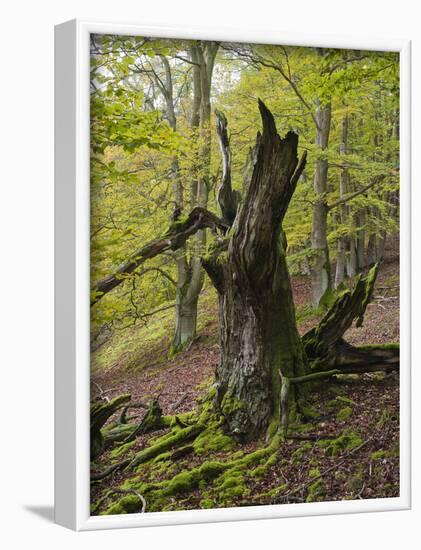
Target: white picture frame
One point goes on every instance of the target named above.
(72, 213)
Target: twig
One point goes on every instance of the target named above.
(178, 403)
(101, 391)
(311, 437)
(110, 470)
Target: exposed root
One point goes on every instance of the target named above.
(225, 477)
(102, 475)
(140, 498)
(166, 443)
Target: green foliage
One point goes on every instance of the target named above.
(135, 143)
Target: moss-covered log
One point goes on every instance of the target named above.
(100, 413)
(166, 443)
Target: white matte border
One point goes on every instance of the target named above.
(72, 365)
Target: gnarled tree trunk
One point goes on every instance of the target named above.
(258, 334)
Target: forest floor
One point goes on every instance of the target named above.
(351, 451)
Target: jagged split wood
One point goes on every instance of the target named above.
(325, 347)
(121, 432)
(228, 199)
(258, 333)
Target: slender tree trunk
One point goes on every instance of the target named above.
(189, 268)
(258, 334)
(361, 260)
(320, 274)
(343, 189)
(371, 254)
(351, 260)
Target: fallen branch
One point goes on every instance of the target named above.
(179, 402)
(177, 235)
(110, 470)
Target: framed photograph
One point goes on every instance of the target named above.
(232, 275)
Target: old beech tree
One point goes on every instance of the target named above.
(264, 363)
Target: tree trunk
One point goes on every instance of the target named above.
(361, 260)
(351, 260)
(189, 269)
(320, 273)
(371, 254)
(258, 334)
(343, 189)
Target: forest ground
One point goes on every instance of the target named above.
(353, 450)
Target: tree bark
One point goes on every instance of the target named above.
(320, 272)
(258, 334)
(343, 189)
(227, 198)
(361, 260)
(189, 268)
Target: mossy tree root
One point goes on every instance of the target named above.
(226, 474)
(151, 421)
(165, 444)
(100, 413)
(137, 495)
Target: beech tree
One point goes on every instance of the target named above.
(263, 359)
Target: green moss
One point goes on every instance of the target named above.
(231, 404)
(299, 453)
(314, 472)
(183, 482)
(337, 402)
(207, 503)
(276, 491)
(356, 481)
(229, 478)
(314, 491)
(384, 419)
(234, 480)
(212, 469)
(122, 449)
(213, 439)
(273, 426)
(177, 225)
(166, 442)
(309, 413)
(129, 504)
(378, 455)
(262, 469)
(347, 441)
(391, 345)
(344, 414)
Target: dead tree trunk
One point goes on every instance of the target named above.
(258, 334)
(324, 344)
